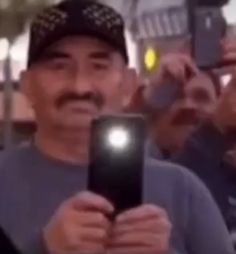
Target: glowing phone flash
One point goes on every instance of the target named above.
(118, 138)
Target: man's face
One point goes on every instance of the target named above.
(173, 127)
(76, 79)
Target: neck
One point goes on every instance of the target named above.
(69, 147)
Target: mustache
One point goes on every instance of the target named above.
(188, 116)
(90, 97)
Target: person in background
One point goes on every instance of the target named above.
(213, 144)
(171, 125)
(77, 70)
(209, 151)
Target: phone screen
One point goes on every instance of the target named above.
(208, 30)
(116, 159)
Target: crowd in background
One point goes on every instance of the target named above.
(196, 128)
(77, 70)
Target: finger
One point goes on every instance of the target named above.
(93, 219)
(133, 250)
(138, 239)
(141, 213)
(231, 56)
(232, 84)
(189, 63)
(177, 71)
(186, 68)
(229, 48)
(91, 248)
(192, 67)
(91, 201)
(180, 71)
(94, 235)
(152, 226)
(229, 44)
(76, 241)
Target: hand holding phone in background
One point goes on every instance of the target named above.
(211, 46)
(175, 70)
(224, 117)
(229, 50)
(208, 28)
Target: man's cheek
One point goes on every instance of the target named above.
(111, 104)
(45, 101)
(209, 109)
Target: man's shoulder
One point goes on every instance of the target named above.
(13, 156)
(168, 169)
(176, 176)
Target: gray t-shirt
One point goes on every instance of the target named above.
(33, 186)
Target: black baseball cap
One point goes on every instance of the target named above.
(76, 17)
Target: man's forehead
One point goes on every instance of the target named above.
(85, 44)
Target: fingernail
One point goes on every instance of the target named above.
(111, 209)
(120, 218)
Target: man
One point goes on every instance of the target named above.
(195, 100)
(209, 151)
(213, 144)
(78, 70)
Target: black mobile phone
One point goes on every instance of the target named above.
(117, 158)
(208, 29)
(6, 245)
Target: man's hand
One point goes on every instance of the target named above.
(177, 67)
(224, 117)
(79, 226)
(146, 229)
(229, 50)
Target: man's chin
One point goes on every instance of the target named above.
(184, 132)
(82, 121)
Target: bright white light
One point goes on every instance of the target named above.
(4, 48)
(18, 51)
(132, 50)
(118, 138)
(225, 79)
(17, 54)
(229, 11)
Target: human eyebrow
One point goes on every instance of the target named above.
(101, 55)
(54, 54)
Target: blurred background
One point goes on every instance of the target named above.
(153, 28)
